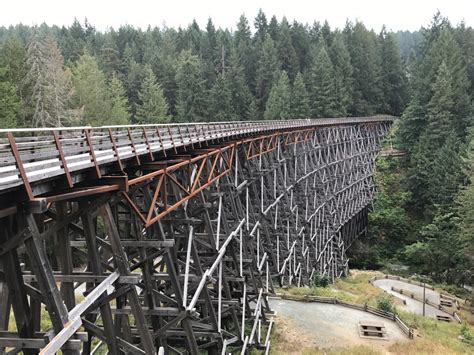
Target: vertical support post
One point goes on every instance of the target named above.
(64, 254)
(124, 269)
(96, 268)
(44, 274)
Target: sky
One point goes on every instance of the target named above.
(395, 14)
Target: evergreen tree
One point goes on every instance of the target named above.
(133, 84)
(367, 92)
(191, 96)
(211, 54)
(266, 68)
(430, 251)
(273, 28)
(165, 69)
(91, 92)
(321, 85)
(73, 40)
(464, 36)
(286, 51)
(49, 84)
(299, 106)
(245, 52)
(109, 58)
(12, 60)
(341, 60)
(119, 110)
(465, 202)
(12, 57)
(441, 108)
(326, 33)
(261, 26)
(231, 97)
(445, 175)
(9, 102)
(278, 104)
(436, 148)
(152, 107)
(301, 41)
(443, 47)
(393, 80)
(221, 98)
(193, 38)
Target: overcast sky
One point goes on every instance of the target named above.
(395, 14)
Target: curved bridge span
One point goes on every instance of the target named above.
(169, 238)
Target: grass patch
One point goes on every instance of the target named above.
(440, 335)
(354, 288)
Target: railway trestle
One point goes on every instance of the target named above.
(169, 238)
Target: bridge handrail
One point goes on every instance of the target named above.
(315, 121)
(33, 155)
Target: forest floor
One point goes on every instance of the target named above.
(432, 336)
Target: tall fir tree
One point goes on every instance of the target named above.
(245, 51)
(152, 107)
(210, 54)
(278, 104)
(267, 67)
(341, 60)
(221, 99)
(273, 28)
(299, 105)
(286, 52)
(321, 84)
(9, 101)
(393, 78)
(48, 83)
(465, 210)
(261, 26)
(443, 47)
(441, 107)
(191, 104)
(165, 69)
(301, 41)
(464, 36)
(90, 91)
(12, 62)
(119, 109)
(431, 154)
(231, 97)
(109, 58)
(367, 92)
(133, 83)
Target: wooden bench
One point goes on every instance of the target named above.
(372, 330)
(445, 303)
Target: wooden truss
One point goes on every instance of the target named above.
(178, 253)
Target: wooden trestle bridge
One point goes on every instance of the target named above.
(168, 238)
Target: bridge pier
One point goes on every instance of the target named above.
(182, 251)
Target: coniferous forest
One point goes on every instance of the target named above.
(269, 68)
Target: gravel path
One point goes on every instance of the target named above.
(412, 305)
(329, 326)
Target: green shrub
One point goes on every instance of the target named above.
(320, 281)
(385, 304)
(466, 332)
